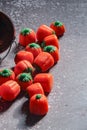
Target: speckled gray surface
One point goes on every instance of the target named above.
(68, 98)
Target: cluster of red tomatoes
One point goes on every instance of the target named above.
(40, 53)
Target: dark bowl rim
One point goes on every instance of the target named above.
(12, 26)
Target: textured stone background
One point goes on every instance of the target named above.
(68, 99)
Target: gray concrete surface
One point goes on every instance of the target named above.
(68, 98)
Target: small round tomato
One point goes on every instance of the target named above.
(5, 75)
(9, 90)
(27, 36)
(58, 27)
(38, 104)
(46, 80)
(43, 31)
(24, 80)
(35, 88)
(43, 62)
(53, 50)
(34, 48)
(23, 66)
(24, 55)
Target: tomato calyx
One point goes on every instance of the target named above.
(25, 77)
(49, 48)
(58, 23)
(38, 96)
(25, 31)
(5, 73)
(34, 45)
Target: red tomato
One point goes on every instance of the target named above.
(27, 36)
(43, 31)
(58, 27)
(9, 90)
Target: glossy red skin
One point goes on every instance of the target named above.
(43, 31)
(46, 80)
(51, 40)
(22, 66)
(24, 40)
(59, 30)
(9, 90)
(35, 88)
(4, 79)
(38, 106)
(34, 51)
(55, 54)
(44, 60)
(24, 55)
